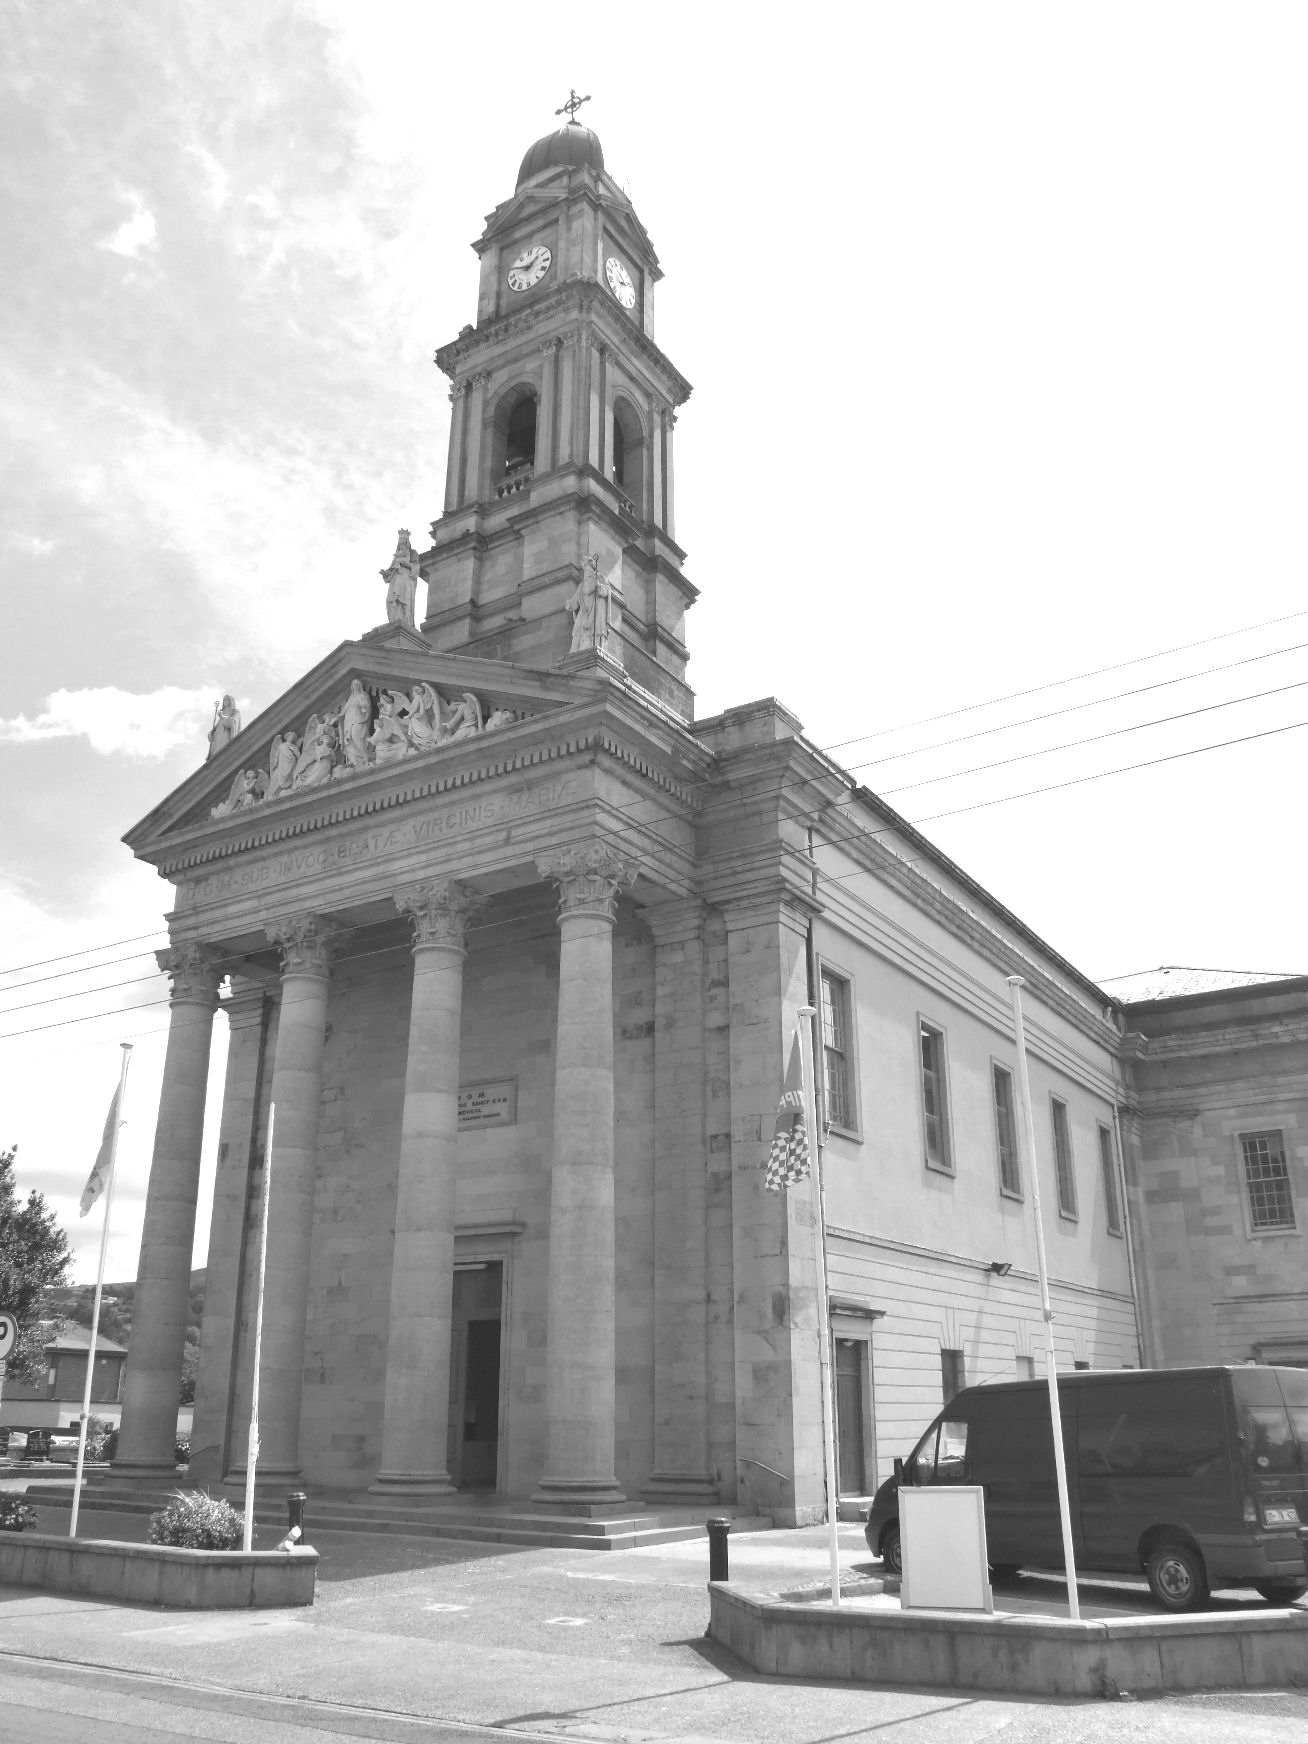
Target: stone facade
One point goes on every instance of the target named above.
(1215, 1073)
(515, 950)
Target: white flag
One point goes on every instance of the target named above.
(98, 1179)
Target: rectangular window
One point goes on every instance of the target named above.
(1108, 1167)
(1267, 1181)
(935, 1120)
(837, 1052)
(952, 1377)
(1010, 1172)
(1078, 1364)
(1025, 1367)
(1063, 1159)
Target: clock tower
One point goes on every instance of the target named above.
(560, 462)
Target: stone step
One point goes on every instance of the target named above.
(495, 1524)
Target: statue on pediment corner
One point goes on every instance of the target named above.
(463, 720)
(226, 725)
(591, 608)
(500, 717)
(401, 578)
(422, 718)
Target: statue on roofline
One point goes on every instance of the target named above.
(401, 578)
(590, 604)
(226, 725)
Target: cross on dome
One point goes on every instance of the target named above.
(571, 107)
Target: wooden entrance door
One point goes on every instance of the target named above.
(474, 1422)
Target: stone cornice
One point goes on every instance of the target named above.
(940, 1256)
(1235, 1038)
(584, 299)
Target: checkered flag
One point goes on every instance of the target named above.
(788, 1159)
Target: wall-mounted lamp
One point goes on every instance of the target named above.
(1001, 1268)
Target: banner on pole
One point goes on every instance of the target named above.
(788, 1160)
(98, 1179)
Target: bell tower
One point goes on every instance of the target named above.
(560, 464)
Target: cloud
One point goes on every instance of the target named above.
(30, 544)
(111, 720)
(136, 233)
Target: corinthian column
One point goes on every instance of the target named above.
(153, 1382)
(416, 1412)
(305, 941)
(580, 1382)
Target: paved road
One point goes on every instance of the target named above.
(416, 1639)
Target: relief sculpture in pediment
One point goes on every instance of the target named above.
(366, 730)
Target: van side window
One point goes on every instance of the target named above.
(1173, 1431)
(1264, 1421)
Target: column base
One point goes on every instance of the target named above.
(147, 1472)
(412, 1484)
(681, 1489)
(577, 1496)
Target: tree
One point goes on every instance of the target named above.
(34, 1259)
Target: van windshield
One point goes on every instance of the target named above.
(1264, 1422)
(941, 1456)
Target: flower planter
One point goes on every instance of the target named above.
(158, 1574)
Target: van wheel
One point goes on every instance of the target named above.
(1177, 1577)
(892, 1550)
(1282, 1592)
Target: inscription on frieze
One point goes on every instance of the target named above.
(384, 839)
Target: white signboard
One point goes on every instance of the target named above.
(943, 1533)
(8, 1334)
(494, 1103)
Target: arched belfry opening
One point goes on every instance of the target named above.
(513, 439)
(628, 471)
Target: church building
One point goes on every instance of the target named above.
(514, 945)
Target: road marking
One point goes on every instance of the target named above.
(444, 1607)
(569, 1622)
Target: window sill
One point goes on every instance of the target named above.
(850, 1134)
(1015, 1198)
(939, 1168)
(1069, 1216)
(1288, 1230)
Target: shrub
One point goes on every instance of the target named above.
(15, 1515)
(101, 1440)
(182, 1450)
(194, 1520)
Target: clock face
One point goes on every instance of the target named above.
(530, 267)
(620, 282)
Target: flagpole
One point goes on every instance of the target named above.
(808, 1067)
(252, 1442)
(99, 1287)
(1015, 985)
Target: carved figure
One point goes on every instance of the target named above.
(464, 719)
(282, 759)
(589, 604)
(355, 720)
(246, 790)
(389, 740)
(500, 717)
(316, 760)
(422, 718)
(226, 725)
(401, 578)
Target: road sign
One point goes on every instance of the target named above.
(8, 1334)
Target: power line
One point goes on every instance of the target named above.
(108, 945)
(1095, 738)
(1080, 780)
(1075, 707)
(63, 974)
(1056, 683)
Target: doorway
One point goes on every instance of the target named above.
(849, 1417)
(474, 1421)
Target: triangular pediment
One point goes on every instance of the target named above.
(373, 708)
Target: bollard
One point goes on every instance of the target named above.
(295, 1515)
(718, 1531)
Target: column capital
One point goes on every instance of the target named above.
(305, 941)
(439, 911)
(589, 877)
(195, 970)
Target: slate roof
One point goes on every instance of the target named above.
(1174, 981)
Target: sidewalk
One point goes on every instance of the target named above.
(570, 1643)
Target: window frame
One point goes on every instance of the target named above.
(1056, 1102)
(957, 1363)
(1111, 1178)
(1262, 1232)
(1018, 1192)
(924, 1025)
(853, 1130)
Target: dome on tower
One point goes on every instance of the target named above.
(570, 145)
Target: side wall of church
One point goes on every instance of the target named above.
(911, 1245)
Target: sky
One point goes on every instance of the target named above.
(994, 316)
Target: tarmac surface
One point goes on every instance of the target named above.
(418, 1639)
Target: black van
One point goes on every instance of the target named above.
(1197, 1476)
